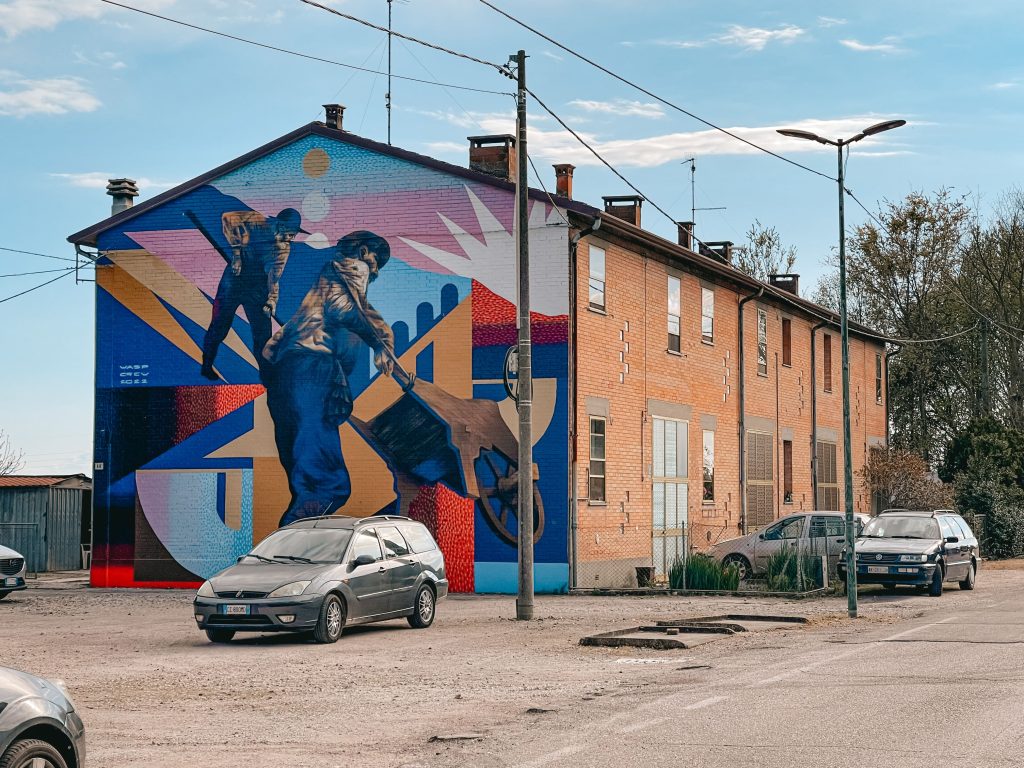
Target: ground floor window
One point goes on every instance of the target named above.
(827, 477)
(670, 492)
(760, 480)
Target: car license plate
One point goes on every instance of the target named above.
(235, 610)
(11, 581)
(877, 569)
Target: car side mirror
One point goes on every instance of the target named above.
(240, 558)
(952, 539)
(364, 560)
(760, 537)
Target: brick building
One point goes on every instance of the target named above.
(340, 250)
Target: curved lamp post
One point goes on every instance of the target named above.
(851, 564)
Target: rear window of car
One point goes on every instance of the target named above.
(419, 538)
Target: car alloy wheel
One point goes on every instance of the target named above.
(331, 621)
(32, 753)
(423, 608)
(334, 619)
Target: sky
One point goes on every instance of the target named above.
(89, 91)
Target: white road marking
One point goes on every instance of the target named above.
(641, 726)
(706, 702)
(552, 756)
(846, 654)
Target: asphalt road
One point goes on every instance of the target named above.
(942, 687)
(914, 681)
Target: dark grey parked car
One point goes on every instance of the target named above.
(921, 549)
(320, 574)
(39, 727)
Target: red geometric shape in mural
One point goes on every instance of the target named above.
(449, 518)
(494, 322)
(198, 407)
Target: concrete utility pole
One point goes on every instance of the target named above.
(524, 601)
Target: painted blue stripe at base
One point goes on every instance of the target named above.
(503, 578)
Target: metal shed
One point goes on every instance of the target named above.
(47, 519)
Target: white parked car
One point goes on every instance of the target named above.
(12, 571)
(822, 533)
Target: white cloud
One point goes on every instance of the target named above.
(747, 38)
(828, 21)
(105, 59)
(621, 107)
(487, 122)
(18, 16)
(1003, 86)
(551, 55)
(20, 97)
(887, 45)
(99, 179)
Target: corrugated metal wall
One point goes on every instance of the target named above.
(44, 525)
(64, 530)
(23, 523)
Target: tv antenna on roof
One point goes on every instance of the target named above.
(693, 195)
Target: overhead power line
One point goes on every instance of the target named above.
(503, 69)
(296, 53)
(33, 253)
(38, 272)
(643, 90)
(70, 271)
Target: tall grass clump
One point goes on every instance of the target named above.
(702, 572)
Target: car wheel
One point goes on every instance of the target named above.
(968, 583)
(220, 635)
(331, 621)
(423, 608)
(935, 588)
(890, 588)
(32, 753)
(742, 565)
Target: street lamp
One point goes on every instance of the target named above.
(851, 564)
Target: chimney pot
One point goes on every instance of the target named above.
(493, 155)
(334, 114)
(563, 179)
(787, 282)
(123, 191)
(625, 207)
(720, 249)
(685, 234)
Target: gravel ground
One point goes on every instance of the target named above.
(154, 692)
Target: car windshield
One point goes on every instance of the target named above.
(303, 545)
(902, 527)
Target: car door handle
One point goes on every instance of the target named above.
(381, 569)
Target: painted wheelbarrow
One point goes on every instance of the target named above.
(429, 436)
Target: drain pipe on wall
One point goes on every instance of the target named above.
(888, 358)
(743, 412)
(814, 416)
(574, 242)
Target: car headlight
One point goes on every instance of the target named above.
(913, 558)
(206, 590)
(290, 590)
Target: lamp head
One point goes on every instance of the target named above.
(798, 134)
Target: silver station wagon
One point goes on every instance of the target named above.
(321, 574)
(822, 533)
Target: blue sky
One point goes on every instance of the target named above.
(89, 91)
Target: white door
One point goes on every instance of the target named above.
(670, 494)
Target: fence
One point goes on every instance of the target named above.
(24, 539)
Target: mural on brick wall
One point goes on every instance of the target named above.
(323, 331)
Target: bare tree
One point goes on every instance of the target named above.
(11, 459)
(764, 254)
(903, 480)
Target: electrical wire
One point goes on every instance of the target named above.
(38, 272)
(296, 53)
(643, 90)
(70, 271)
(502, 69)
(33, 253)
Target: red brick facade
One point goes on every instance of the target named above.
(626, 374)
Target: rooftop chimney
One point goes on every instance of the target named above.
(334, 114)
(493, 155)
(788, 282)
(685, 234)
(563, 179)
(625, 207)
(720, 249)
(122, 190)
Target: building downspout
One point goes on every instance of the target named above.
(814, 417)
(743, 412)
(888, 357)
(574, 242)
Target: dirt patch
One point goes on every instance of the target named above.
(1013, 564)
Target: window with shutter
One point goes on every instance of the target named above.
(760, 483)
(828, 479)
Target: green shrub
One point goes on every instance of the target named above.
(702, 572)
(790, 571)
(1003, 531)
